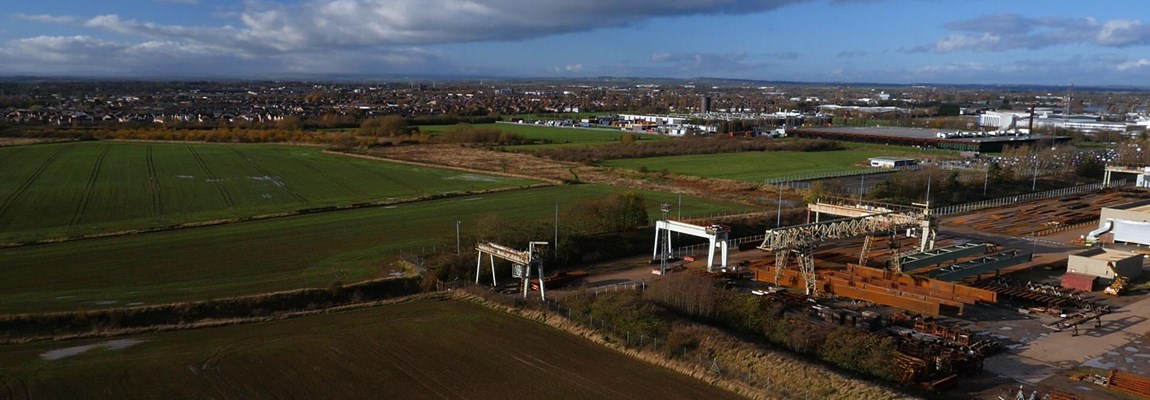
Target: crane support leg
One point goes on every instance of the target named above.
(478, 266)
(864, 255)
(807, 268)
(780, 263)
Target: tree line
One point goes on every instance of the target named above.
(687, 145)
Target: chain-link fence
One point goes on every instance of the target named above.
(1022, 198)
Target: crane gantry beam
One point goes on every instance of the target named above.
(803, 239)
(797, 236)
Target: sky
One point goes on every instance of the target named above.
(1047, 42)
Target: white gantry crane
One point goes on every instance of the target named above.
(521, 263)
(802, 239)
(715, 234)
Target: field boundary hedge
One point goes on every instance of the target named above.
(23, 328)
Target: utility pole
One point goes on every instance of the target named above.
(779, 210)
(985, 180)
(1034, 181)
(680, 206)
(457, 240)
(555, 253)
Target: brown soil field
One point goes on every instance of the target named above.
(531, 166)
(425, 349)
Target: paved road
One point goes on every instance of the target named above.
(1061, 351)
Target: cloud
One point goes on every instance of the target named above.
(1122, 33)
(694, 62)
(58, 55)
(1000, 32)
(851, 54)
(50, 19)
(786, 55)
(269, 26)
(1134, 65)
(384, 31)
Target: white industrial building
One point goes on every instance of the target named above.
(1010, 120)
(892, 162)
(1128, 223)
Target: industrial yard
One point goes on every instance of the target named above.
(996, 303)
(993, 304)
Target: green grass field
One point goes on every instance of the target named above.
(56, 190)
(428, 349)
(757, 166)
(557, 136)
(277, 254)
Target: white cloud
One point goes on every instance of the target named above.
(1134, 65)
(1121, 33)
(999, 32)
(378, 31)
(366, 23)
(50, 19)
(85, 55)
(983, 42)
(706, 63)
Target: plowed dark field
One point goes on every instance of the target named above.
(427, 349)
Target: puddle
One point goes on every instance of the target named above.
(75, 350)
(185, 177)
(1006, 328)
(1098, 363)
(1131, 349)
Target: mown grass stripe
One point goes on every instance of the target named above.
(154, 186)
(89, 186)
(392, 179)
(212, 178)
(329, 177)
(28, 182)
(268, 174)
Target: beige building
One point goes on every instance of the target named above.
(1106, 264)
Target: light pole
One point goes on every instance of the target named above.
(985, 180)
(555, 252)
(1034, 181)
(779, 209)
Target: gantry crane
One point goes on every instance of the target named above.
(521, 260)
(801, 240)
